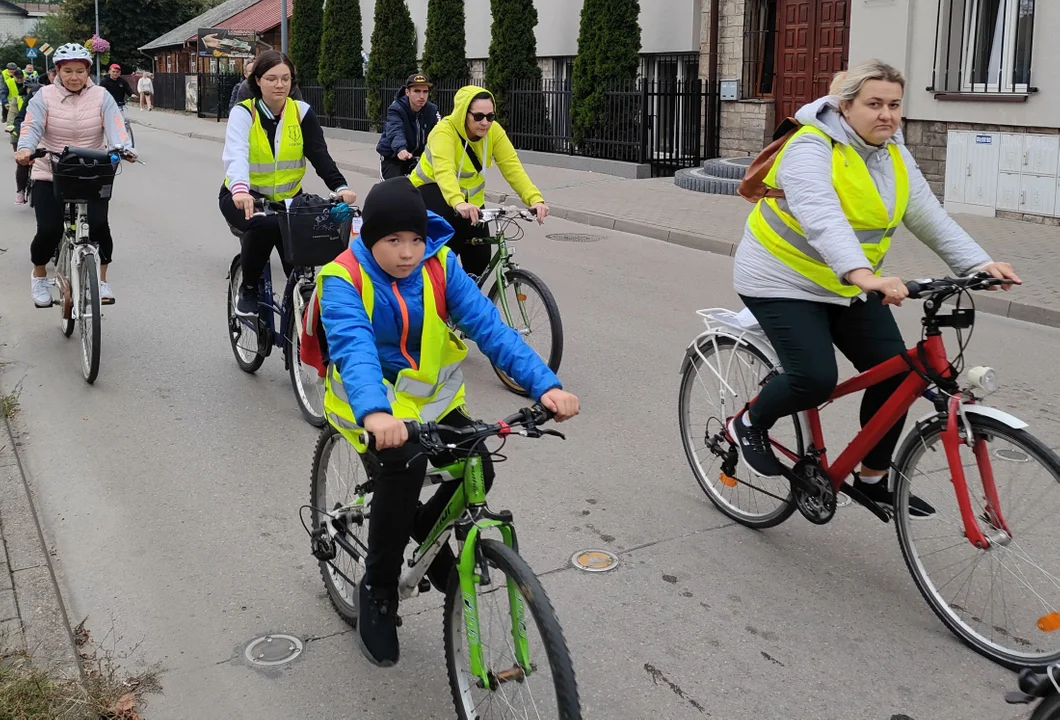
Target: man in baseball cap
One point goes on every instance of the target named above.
(409, 121)
(117, 86)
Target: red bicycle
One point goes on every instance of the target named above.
(987, 562)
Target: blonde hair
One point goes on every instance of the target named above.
(847, 84)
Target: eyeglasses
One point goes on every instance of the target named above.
(479, 117)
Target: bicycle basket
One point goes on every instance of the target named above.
(83, 176)
(311, 237)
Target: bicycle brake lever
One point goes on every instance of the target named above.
(554, 433)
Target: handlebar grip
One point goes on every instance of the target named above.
(914, 289)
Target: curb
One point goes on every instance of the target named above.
(991, 306)
(40, 613)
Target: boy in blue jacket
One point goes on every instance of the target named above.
(383, 304)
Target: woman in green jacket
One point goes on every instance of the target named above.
(449, 174)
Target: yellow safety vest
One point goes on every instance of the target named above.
(472, 183)
(428, 390)
(13, 91)
(280, 177)
(776, 228)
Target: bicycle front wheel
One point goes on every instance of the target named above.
(529, 307)
(88, 318)
(995, 599)
(542, 683)
(720, 378)
(308, 386)
(128, 129)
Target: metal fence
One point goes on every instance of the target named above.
(215, 90)
(170, 91)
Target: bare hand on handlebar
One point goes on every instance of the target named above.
(1002, 271)
(245, 202)
(891, 289)
(388, 431)
(24, 157)
(469, 212)
(562, 404)
(541, 211)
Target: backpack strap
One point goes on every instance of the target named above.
(436, 272)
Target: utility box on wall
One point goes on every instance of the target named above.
(730, 90)
(1015, 172)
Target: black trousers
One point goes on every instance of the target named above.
(22, 176)
(257, 245)
(394, 507)
(474, 258)
(50, 223)
(803, 333)
(390, 168)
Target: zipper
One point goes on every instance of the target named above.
(404, 326)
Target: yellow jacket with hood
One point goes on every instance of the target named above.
(446, 160)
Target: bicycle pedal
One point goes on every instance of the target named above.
(425, 585)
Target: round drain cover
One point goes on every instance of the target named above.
(273, 650)
(594, 560)
(575, 237)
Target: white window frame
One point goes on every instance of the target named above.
(1010, 23)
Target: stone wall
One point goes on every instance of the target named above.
(746, 125)
(926, 140)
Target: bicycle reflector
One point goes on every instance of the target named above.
(727, 481)
(1050, 622)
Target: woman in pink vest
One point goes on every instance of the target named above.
(72, 112)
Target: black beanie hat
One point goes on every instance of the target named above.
(392, 206)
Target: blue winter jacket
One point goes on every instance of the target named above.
(367, 351)
(406, 130)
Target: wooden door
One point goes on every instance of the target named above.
(813, 44)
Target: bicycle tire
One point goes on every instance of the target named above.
(66, 317)
(915, 445)
(688, 381)
(344, 605)
(128, 129)
(1048, 709)
(312, 415)
(515, 568)
(236, 326)
(89, 312)
(554, 320)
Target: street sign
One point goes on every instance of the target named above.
(46, 49)
(31, 53)
(30, 41)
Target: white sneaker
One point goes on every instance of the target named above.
(41, 290)
(106, 295)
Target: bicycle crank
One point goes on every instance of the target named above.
(814, 495)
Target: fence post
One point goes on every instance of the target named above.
(645, 118)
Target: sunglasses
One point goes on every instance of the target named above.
(479, 117)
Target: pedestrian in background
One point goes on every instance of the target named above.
(145, 87)
(248, 68)
(409, 121)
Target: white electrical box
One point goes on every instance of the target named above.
(730, 89)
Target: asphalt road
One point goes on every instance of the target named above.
(171, 491)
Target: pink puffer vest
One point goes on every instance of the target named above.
(72, 120)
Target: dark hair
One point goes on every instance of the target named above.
(481, 96)
(265, 62)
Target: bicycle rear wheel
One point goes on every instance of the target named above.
(1048, 709)
(340, 482)
(308, 386)
(89, 317)
(242, 333)
(516, 691)
(721, 377)
(530, 304)
(993, 599)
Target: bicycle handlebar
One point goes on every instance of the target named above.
(428, 435)
(267, 207)
(950, 286)
(507, 213)
(86, 153)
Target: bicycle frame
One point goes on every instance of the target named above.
(933, 353)
(73, 248)
(499, 264)
(468, 514)
(269, 310)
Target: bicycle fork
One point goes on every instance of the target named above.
(472, 572)
(951, 442)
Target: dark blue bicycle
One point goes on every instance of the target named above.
(279, 321)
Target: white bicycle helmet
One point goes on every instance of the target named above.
(71, 51)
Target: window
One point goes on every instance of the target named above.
(984, 46)
(759, 47)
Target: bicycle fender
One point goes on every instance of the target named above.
(986, 411)
(742, 338)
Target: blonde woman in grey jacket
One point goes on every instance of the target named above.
(808, 263)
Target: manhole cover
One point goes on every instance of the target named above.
(594, 560)
(273, 650)
(575, 237)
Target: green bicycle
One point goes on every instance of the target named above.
(498, 667)
(520, 295)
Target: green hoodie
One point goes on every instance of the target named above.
(445, 157)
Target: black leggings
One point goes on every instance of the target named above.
(803, 332)
(394, 512)
(50, 223)
(257, 244)
(474, 258)
(22, 177)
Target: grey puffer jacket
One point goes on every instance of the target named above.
(805, 176)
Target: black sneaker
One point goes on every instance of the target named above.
(444, 562)
(880, 493)
(755, 449)
(247, 302)
(377, 623)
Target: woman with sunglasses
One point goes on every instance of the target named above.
(449, 174)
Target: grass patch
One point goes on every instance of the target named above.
(8, 408)
(104, 692)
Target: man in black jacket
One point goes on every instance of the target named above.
(409, 121)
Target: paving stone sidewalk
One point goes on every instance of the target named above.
(657, 208)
